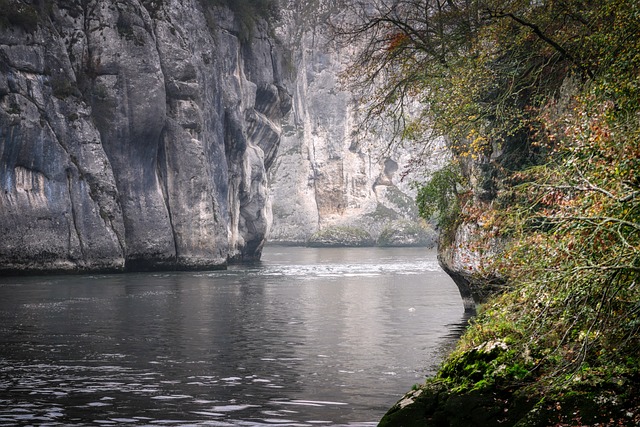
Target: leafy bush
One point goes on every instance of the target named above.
(18, 14)
(341, 236)
(573, 264)
(249, 12)
(438, 197)
(554, 85)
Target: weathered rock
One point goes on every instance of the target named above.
(129, 112)
(435, 405)
(468, 246)
(138, 134)
(465, 253)
(134, 135)
(327, 174)
(59, 204)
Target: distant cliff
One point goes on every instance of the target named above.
(331, 183)
(135, 134)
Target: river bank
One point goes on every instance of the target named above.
(506, 401)
(531, 357)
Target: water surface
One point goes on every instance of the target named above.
(306, 337)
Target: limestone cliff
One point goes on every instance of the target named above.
(470, 245)
(328, 181)
(134, 134)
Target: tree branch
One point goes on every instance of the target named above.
(538, 32)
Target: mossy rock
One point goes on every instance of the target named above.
(515, 405)
(436, 405)
(407, 233)
(383, 213)
(473, 367)
(341, 237)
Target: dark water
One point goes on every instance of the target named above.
(308, 337)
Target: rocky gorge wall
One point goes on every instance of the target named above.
(332, 184)
(138, 134)
(134, 135)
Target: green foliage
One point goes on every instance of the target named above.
(249, 12)
(477, 67)
(18, 14)
(573, 262)
(490, 365)
(558, 83)
(406, 233)
(63, 87)
(575, 253)
(341, 236)
(438, 197)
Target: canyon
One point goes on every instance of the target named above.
(141, 135)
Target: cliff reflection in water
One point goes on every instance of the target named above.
(303, 337)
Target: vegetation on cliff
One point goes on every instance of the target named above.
(249, 12)
(341, 236)
(540, 105)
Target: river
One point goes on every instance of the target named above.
(306, 337)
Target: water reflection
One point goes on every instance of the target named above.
(306, 337)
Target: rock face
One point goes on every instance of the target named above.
(134, 135)
(463, 253)
(138, 134)
(468, 247)
(327, 178)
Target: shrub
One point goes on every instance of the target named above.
(249, 12)
(18, 14)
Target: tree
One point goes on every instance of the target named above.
(475, 66)
(557, 82)
(438, 197)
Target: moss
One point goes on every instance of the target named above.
(406, 233)
(437, 404)
(14, 108)
(383, 213)
(341, 236)
(501, 362)
(401, 200)
(62, 87)
(20, 15)
(248, 13)
(490, 364)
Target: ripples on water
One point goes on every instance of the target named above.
(306, 337)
